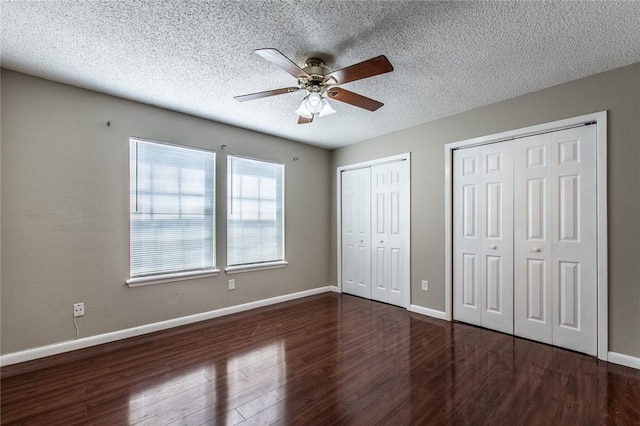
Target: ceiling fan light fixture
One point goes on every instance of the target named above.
(327, 109)
(314, 102)
(302, 111)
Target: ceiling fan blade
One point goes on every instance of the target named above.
(274, 56)
(369, 68)
(354, 99)
(259, 95)
(304, 120)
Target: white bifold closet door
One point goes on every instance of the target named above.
(483, 240)
(555, 239)
(525, 254)
(375, 232)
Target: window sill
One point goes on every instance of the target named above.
(167, 278)
(255, 267)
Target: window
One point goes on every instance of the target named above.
(255, 212)
(172, 205)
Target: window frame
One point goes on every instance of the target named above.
(142, 280)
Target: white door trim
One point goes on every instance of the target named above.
(600, 118)
(400, 157)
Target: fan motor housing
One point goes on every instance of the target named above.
(316, 69)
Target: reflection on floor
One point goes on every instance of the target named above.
(328, 359)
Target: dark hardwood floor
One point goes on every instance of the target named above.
(327, 359)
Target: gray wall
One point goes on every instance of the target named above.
(64, 201)
(64, 190)
(617, 91)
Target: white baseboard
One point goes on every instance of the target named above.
(626, 360)
(428, 312)
(72, 345)
(335, 289)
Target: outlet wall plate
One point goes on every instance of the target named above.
(78, 309)
(232, 284)
(425, 285)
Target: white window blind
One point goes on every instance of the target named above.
(172, 195)
(255, 211)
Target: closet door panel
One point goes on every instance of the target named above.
(356, 232)
(399, 234)
(349, 199)
(532, 238)
(497, 236)
(467, 238)
(390, 220)
(380, 193)
(574, 239)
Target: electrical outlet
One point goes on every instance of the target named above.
(425, 285)
(78, 309)
(232, 284)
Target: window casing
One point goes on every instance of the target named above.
(255, 212)
(172, 210)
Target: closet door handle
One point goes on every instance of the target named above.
(536, 249)
(493, 247)
(362, 241)
(381, 241)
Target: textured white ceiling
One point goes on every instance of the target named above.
(195, 56)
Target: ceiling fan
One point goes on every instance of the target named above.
(318, 83)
